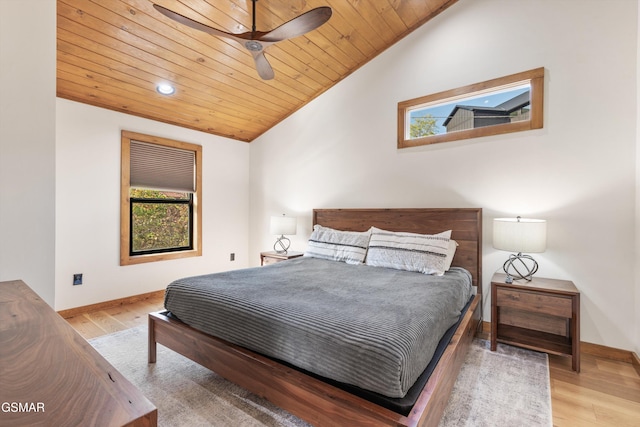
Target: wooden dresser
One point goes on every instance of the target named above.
(50, 375)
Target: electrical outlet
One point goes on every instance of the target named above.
(232, 256)
(77, 279)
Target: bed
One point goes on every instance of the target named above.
(314, 398)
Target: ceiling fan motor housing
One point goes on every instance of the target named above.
(253, 45)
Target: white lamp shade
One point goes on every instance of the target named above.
(520, 234)
(281, 225)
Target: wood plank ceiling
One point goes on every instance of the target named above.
(113, 53)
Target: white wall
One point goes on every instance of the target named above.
(27, 143)
(578, 172)
(88, 212)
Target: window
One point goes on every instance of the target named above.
(508, 104)
(160, 221)
(160, 200)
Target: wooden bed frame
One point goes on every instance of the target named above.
(311, 399)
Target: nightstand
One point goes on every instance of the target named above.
(272, 257)
(541, 315)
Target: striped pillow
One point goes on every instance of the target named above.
(451, 252)
(423, 253)
(337, 245)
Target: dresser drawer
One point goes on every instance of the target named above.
(555, 305)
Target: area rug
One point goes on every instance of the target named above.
(509, 387)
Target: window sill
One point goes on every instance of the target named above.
(141, 259)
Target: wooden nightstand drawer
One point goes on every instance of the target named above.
(540, 303)
(269, 260)
(537, 321)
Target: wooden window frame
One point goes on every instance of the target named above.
(535, 77)
(125, 229)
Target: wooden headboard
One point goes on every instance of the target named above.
(465, 223)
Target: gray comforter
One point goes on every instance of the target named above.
(372, 327)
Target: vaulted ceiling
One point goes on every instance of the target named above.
(113, 54)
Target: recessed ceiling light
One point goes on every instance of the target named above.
(165, 89)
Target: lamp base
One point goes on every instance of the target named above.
(282, 245)
(524, 268)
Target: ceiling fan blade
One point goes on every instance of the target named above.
(262, 65)
(304, 23)
(195, 24)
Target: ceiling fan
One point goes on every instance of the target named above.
(257, 41)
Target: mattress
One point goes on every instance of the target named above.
(371, 327)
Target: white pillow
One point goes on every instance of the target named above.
(424, 253)
(451, 251)
(336, 245)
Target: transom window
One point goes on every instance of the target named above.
(160, 199)
(507, 104)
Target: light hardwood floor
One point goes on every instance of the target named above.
(605, 392)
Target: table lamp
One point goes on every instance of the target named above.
(281, 225)
(520, 235)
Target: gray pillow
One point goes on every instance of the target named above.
(336, 245)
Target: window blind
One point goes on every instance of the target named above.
(162, 168)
